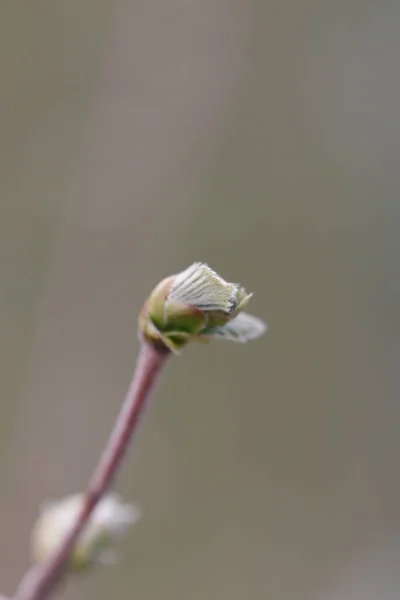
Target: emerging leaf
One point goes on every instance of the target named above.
(197, 304)
(242, 328)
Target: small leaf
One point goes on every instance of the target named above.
(202, 287)
(242, 328)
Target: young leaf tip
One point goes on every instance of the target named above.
(200, 286)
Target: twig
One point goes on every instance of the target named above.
(41, 581)
(196, 304)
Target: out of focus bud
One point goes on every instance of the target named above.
(108, 522)
(197, 304)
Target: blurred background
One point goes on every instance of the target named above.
(262, 137)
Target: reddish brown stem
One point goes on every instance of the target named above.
(42, 580)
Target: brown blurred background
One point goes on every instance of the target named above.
(262, 137)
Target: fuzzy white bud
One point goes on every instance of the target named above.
(108, 522)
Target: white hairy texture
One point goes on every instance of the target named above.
(202, 287)
(109, 520)
(114, 515)
(242, 328)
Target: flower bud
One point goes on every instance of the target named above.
(108, 522)
(197, 304)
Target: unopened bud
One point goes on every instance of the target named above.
(197, 304)
(108, 522)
